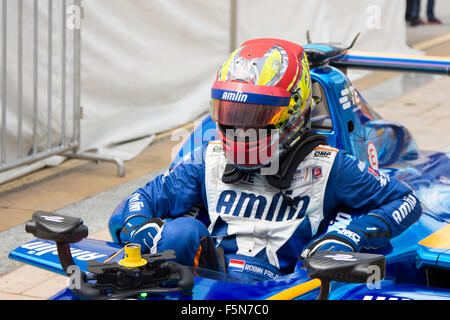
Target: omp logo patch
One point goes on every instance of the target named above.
(322, 154)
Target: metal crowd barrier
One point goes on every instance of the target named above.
(69, 35)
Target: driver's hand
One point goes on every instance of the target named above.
(146, 233)
(341, 240)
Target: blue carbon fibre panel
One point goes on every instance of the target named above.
(43, 253)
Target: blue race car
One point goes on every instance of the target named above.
(416, 265)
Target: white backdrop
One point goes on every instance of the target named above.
(147, 66)
(380, 22)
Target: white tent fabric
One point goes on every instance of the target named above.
(147, 66)
(380, 22)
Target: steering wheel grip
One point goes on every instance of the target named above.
(186, 282)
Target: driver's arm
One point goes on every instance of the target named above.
(167, 196)
(390, 205)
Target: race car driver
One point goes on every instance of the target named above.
(270, 184)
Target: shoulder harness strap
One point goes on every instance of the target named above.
(288, 164)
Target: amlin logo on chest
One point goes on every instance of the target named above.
(272, 208)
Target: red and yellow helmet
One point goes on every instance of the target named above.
(261, 101)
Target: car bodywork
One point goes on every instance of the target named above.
(417, 261)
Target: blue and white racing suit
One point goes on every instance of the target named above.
(262, 236)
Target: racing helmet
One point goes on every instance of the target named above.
(261, 101)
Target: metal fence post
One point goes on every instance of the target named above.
(77, 107)
(70, 149)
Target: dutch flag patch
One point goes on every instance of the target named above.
(236, 265)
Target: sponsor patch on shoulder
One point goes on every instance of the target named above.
(317, 172)
(324, 151)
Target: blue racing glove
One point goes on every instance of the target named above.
(143, 231)
(338, 240)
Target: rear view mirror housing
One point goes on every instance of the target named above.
(350, 267)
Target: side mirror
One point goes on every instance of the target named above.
(344, 267)
(55, 227)
(59, 228)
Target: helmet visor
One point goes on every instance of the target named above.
(232, 113)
